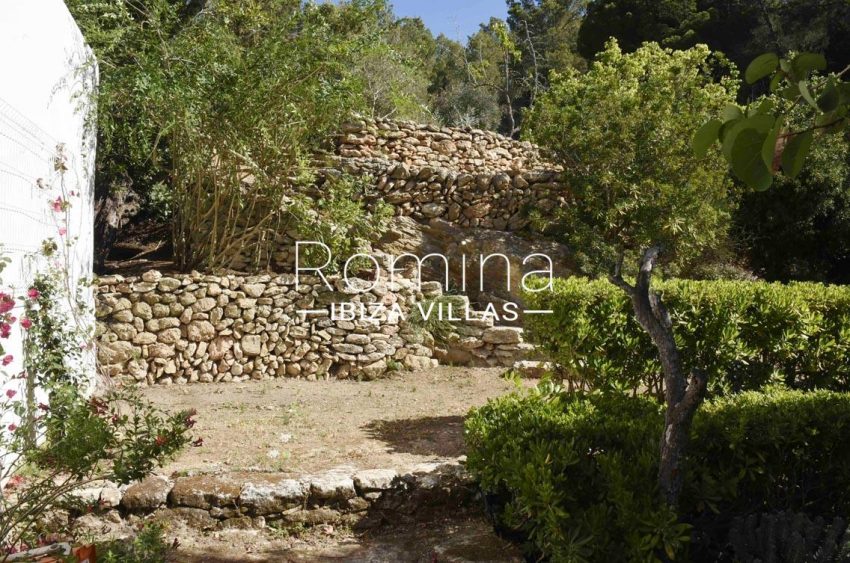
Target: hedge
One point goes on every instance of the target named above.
(575, 473)
(745, 335)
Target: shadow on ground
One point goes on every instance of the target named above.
(431, 435)
(458, 539)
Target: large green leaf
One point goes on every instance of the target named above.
(705, 137)
(731, 112)
(795, 153)
(746, 160)
(768, 151)
(759, 123)
(760, 67)
(830, 98)
(790, 92)
(807, 95)
(804, 63)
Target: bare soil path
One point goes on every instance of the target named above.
(300, 427)
(463, 538)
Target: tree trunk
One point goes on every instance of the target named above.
(682, 394)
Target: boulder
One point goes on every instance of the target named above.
(272, 495)
(502, 335)
(146, 495)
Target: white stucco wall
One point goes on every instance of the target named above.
(47, 74)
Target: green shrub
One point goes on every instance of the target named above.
(149, 546)
(745, 335)
(576, 473)
(788, 537)
(783, 449)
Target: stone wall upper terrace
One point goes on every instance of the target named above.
(459, 149)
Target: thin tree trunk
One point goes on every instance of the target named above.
(682, 394)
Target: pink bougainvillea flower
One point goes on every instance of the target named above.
(6, 303)
(26, 323)
(11, 393)
(58, 204)
(62, 231)
(7, 359)
(13, 427)
(5, 330)
(33, 293)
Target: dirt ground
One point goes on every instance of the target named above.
(301, 427)
(459, 538)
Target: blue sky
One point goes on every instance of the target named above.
(457, 19)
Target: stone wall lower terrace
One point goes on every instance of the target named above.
(203, 328)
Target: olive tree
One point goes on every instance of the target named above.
(638, 194)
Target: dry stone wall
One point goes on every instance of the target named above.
(206, 328)
(488, 200)
(460, 149)
(468, 177)
(243, 500)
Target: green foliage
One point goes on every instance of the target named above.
(395, 69)
(622, 133)
(228, 105)
(494, 65)
(58, 434)
(456, 97)
(116, 436)
(432, 315)
(334, 214)
(547, 32)
(53, 347)
(800, 229)
(673, 23)
(743, 335)
(576, 473)
(766, 451)
(762, 140)
(149, 546)
(789, 537)
(740, 29)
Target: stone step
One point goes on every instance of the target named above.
(358, 498)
